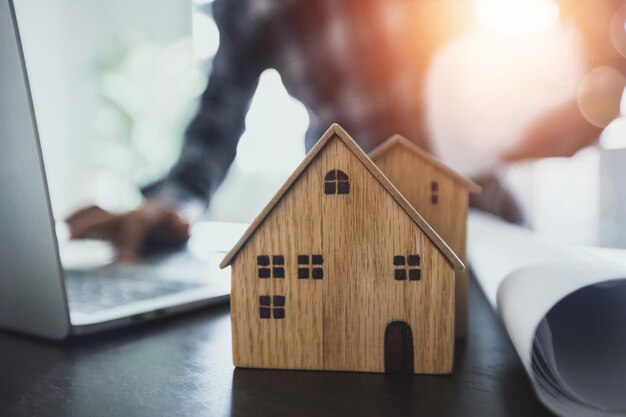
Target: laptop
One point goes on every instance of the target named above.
(37, 295)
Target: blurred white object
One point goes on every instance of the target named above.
(560, 195)
(612, 214)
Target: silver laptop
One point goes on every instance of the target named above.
(36, 295)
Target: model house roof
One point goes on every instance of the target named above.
(336, 132)
(399, 140)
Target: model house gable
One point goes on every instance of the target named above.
(336, 181)
(399, 142)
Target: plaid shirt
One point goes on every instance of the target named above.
(360, 63)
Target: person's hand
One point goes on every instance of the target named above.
(496, 199)
(151, 223)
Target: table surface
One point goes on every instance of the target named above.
(182, 366)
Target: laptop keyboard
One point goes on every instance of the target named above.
(90, 291)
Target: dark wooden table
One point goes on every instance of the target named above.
(182, 367)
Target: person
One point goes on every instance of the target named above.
(360, 63)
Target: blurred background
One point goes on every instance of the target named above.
(115, 83)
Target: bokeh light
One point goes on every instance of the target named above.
(600, 94)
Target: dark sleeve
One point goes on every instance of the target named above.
(212, 136)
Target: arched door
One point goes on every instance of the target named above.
(398, 348)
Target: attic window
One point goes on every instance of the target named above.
(310, 267)
(272, 307)
(407, 266)
(434, 192)
(270, 267)
(336, 182)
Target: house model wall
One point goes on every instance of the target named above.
(439, 194)
(339, 272)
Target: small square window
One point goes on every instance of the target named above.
(265, 312)
(414, 260)
(415, 274)
(330, 188)
(434, 186)
(310, 266)
(268, 269)
(318, 273)
(400, 274)
(272, 306)
(407, 266)
(434, 199)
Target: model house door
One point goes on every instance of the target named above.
(398, 348)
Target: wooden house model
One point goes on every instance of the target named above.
(339, 272)
(439, 194)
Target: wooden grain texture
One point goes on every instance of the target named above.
(413, 172)
(339, 322)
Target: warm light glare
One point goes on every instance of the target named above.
(517, 16)
(485, 91)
